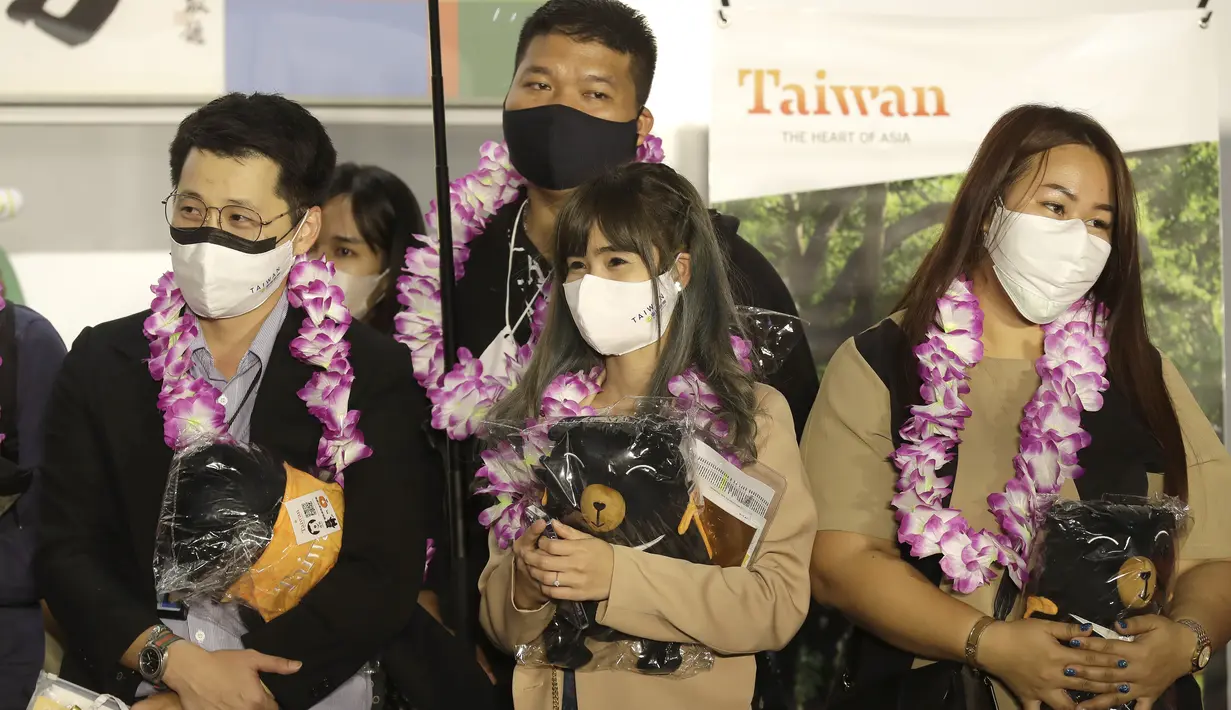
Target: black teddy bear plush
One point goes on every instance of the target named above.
(1103, 561)
(625, 481)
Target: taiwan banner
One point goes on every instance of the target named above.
(840, 140)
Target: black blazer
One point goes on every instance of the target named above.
(105, 470)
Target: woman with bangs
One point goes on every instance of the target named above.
(637, 237)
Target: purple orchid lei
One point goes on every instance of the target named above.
(507, 470)
(1071, 371)
(190, 407)
(461, 397)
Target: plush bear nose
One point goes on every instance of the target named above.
(602, 507)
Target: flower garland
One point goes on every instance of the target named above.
(506, 471)
(1071, 370)
(461, 397)
(190, 406)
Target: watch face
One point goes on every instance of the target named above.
(149, 661)
(1204, 657)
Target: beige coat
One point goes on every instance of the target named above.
(847, 445)
(735, 611)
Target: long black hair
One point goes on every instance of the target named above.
(1016, 145)
(387, 214)
(654, 212)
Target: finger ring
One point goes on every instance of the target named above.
(557, 582)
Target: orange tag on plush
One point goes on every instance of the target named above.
(305, 546)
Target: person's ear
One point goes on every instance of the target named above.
(683, 269)
(309, 231)
(645, 124)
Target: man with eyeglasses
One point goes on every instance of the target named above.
(249, 175)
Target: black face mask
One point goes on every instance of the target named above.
(558, 148)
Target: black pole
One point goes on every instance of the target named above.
(444, 235)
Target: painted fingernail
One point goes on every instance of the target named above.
(1122, 663)
(1086, 627)
(1123, 688)
(1123, 624)
(1070, 672)
(1075, 643)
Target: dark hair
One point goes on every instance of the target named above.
(654, 212)
(269, 125)
(610, 23)
(1017, 145)
(387, 215)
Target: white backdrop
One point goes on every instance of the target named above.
(807, 100)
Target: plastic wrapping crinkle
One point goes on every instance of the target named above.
(771, 337)
(237, 524)
(1101, 561)
(650, 482)
(54, 693)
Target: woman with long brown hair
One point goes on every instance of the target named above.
(639, 236)
(1038, 260)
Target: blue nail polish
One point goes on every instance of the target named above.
(1085, 627)
(1122, 663)
(1070, 672)
(1123, 688)
(1123, 624)
(1075, 643)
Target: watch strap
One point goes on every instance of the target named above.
(159, 640)
(1203, 643)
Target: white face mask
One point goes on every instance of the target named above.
(618, 317)
(221, 280)
(1045, 265)
(358, 290)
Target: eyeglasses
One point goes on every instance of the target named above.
(187, 212)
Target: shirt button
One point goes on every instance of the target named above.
(119, 676)
(222, 400)
(199, 636)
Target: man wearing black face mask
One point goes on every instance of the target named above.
(576, 109)
(233, 345)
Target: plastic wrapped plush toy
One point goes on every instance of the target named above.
(239, 525)
(632, 481)
(1102, 561)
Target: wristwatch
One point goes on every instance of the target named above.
(152, 660)
(1201, 654)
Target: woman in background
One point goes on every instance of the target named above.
(368, 222)
(369, 218)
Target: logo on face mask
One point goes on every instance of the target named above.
(268, 282)
(651, 312)
(609, 318)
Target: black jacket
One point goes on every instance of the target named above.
(104, 474)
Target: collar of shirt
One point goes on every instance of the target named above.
(258, 352)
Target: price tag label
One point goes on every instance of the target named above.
(312, 517)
